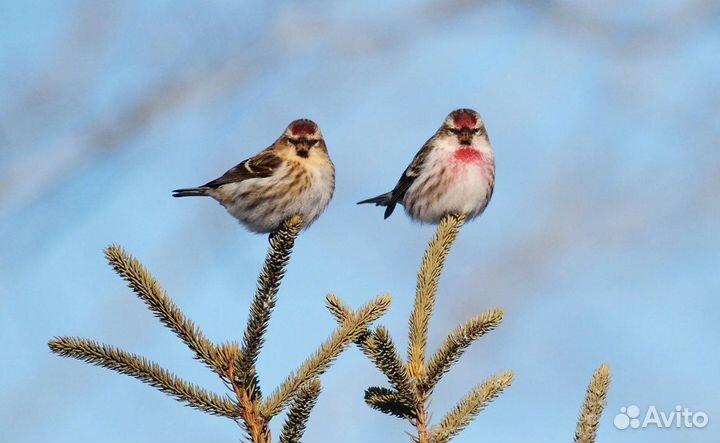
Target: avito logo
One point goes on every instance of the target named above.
(630, 417)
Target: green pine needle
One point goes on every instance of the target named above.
(456, 344)
(299, 412)
(390, 402)
(146, 371)
(385, 356)
(321, 359)
(592, 408)
(265, 297)
(427, 284)
(149, 291)
(470, 406)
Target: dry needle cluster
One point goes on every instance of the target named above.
(411, 380)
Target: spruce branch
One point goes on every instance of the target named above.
(157, 300)
(228, 352)
(252, 421)
(377, 345)
(379, 348)
(384, 354)
(470, 406)
(297, 417)
(455, 345)
(342, 312)
(592, 408)
(146, 371)
(390, 402)
(235, 364)
(427, 284)
(265, 298)
(417, 376)
(319, 361)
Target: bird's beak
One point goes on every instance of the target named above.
(302, 148)
(465, 136)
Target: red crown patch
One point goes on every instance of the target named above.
(464, 119)
(302, 128)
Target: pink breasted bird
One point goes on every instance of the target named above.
(453, 173)
(293, 176)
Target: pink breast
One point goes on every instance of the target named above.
(468, 155)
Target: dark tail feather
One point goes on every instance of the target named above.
(380, 200)
(383, 200)
(190, 192)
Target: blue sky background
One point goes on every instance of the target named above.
(602, 242)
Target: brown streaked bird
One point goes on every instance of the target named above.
(453, 173)
(293, 176)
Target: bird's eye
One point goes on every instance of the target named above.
(453, 131)
(312, 142)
